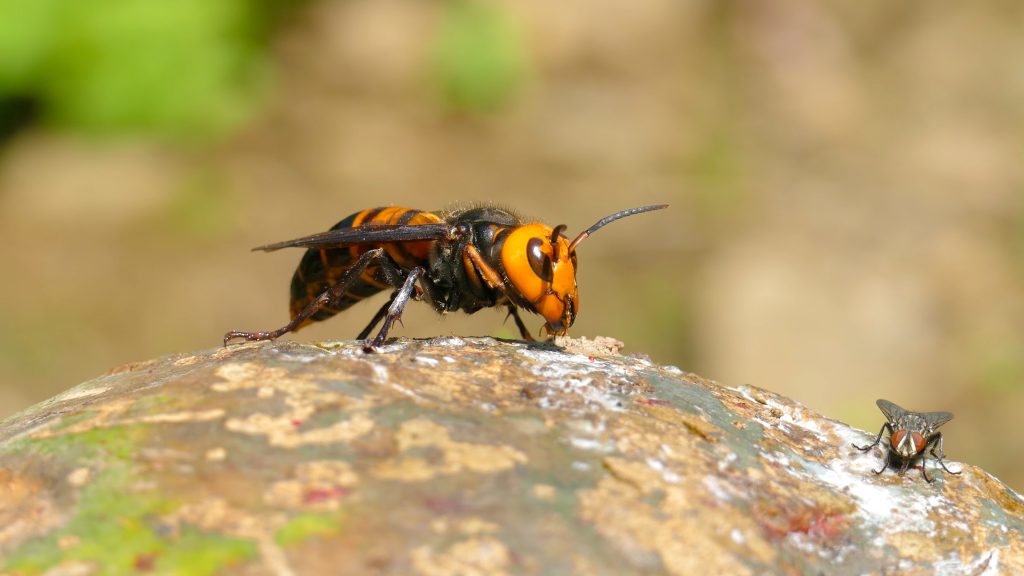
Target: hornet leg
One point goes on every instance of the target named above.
(394, 277)
(376, 319)
(493, 279)
(523, 332)
(395, 308)
(332, 293)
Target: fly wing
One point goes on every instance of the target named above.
(893, 413)
(370, 234)
(936, 419)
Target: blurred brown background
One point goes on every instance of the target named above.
(847, 216)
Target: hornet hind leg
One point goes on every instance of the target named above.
(332, 293)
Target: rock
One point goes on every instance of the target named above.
(467, 456)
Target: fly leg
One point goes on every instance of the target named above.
(395, 308)
(885, 427)
(332, 293)
(904, 466)
(943, 464)
(878, 438)
(924, 471)
(885, 465)
(514, 313)
(940, 456)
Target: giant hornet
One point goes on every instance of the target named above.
(466, 260)
(909, 434)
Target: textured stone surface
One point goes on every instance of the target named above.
(467, 456)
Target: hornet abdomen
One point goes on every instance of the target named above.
(322, 268)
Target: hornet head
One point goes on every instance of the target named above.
(541, 264)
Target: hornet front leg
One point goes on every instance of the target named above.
(523, 332)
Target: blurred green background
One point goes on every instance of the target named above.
(846, 180)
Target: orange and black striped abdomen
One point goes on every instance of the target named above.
(322, 268)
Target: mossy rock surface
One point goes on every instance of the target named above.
(467, 456)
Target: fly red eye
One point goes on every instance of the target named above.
(918, 442)
(897, 438)
(539, 261)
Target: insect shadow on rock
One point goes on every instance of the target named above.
(910, 434)
(481, 257)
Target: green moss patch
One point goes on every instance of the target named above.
(307, 526)
(116, 522)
